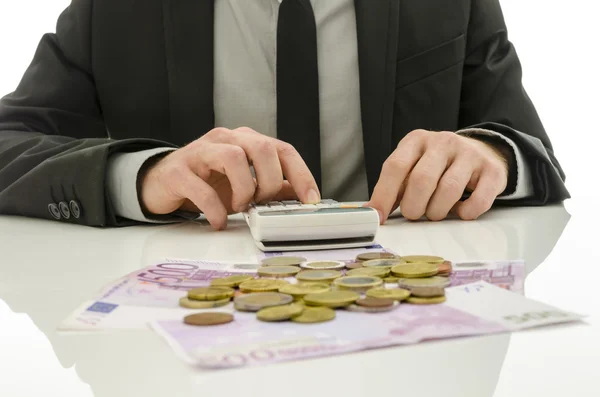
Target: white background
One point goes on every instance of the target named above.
(557, 42)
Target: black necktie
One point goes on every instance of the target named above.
(298, 82)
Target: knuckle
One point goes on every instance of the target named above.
(450, 183)
(218, 133)
(445, 139)
(265, 146)
(287, 148)
(422, 180)
(235, 154)
(245, 130)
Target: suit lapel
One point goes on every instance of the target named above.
(377, 33)
(189, 32)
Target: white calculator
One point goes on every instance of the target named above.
(293, 226)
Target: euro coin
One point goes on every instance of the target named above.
(193, 304)
(208, 318)
(262, 285)
(283, 261)
(299, 290)
(364, 309)
(314, 315)
(374, 302)
(423, 259)
(231, 281)
(354, 265)
(246, 266)
(323, 265)
(415, 270)
(318, 275)
(376, 255)
(357, 283)
(332, 298)
(435, 281)
(260, 300)
(210, 293)
(444, 269)
(369, 271)
(388, 263)
(278, 271)
(426, 301)
(398, 294)
(391, 279)
(279, 313)
(427, 292)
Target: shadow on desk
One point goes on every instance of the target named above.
(116, 364)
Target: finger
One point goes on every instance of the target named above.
(450, 189)
(489, 185)
(203, 196)
(287, 192)
(423, 181)
(393, 174)
(230, 160)
(298, 174)
(262, 153)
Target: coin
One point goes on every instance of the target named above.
(278, 271)
(194, 304)
(358, 283)
(388, 263)
(256, 301)
(279, 313)
(376, 255)
(315, 315)
(375, 302)
(426, 301)
(391, 279)
(445, 268)
(398, 294)
(435, 281)
(415, 270)
(246, 266)
(423, 259)
(323, 265)
(332, 298)
(210, 293)
(427, 292)
(208, 318)
(299, 290)
(283, 261)
(354, 265)
(262, 285)
(369, 271)
(363, 309)
(318, 275)
(231, 281)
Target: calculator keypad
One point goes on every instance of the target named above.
(292, 205)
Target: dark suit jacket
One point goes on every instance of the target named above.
(126, 75)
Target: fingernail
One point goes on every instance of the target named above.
(313, 197)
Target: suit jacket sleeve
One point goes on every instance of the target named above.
(493, 98)
(54, 145)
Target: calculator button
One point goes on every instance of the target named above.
(290, 202)
(329, 201)
(275, 204)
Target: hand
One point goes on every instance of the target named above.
(212, 175)
(429, 171)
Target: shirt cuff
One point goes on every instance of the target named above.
(121, 180)
(524, 187)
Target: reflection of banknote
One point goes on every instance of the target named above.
(153, 293)
(472, 309)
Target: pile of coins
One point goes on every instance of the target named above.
(322, 287)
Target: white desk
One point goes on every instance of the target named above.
(47, 269)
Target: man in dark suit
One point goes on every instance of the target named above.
(144, 111)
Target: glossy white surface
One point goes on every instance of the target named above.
(47, 269)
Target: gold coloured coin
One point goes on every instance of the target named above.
(358, 283)
(262, 285)
(415, 270)
(278, 271)
(231, 281)
(194, 304)
(354, 265)
(312, 315)
(369, 271)
(260, 300)
(283, 261)
(279, 313)
(375, 302)
(426, 301)
(391, 279)
(376, 255)
(332, 298)
(388, 263)
(398, 294)
(323, 265)
(364, 309)
(423, 259)
(208, 318)
(299, 290)
(210, 293)
(435, 281)
(318, 275)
